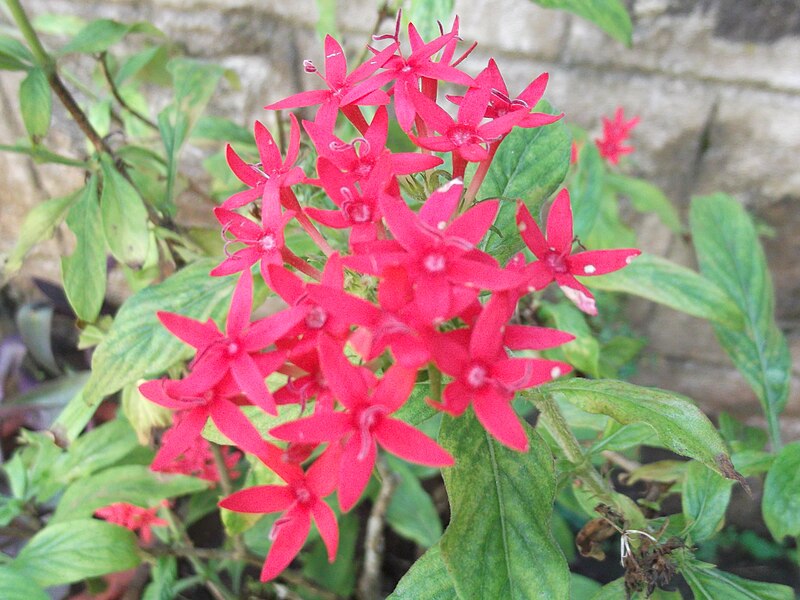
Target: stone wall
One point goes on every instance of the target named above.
(716, 83)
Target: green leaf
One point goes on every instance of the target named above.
(40, 155)
(134, 484)
(411, 512)
(16, 586)
(72, 551)
(586, 190)
(14, 56)
(583, 352)
(530, 164)
(194, 82)
(676, 421)
(163, 576)
(100, 448)
(582, 587)
(340, 576)
(58, 24)
(609, 15)
(731, 256)
(138, 345)
(125, 221)
(326, 22)
(36, 103)
(84, 271)
(427, 579)
(646, 197)
(219, 129)
(77, 412)
(100, 35)
(39, 225)
(705, 499)
(667, 283)
(143, 415)
(501, 501)
(425, 13)
(781, 502)
(709, 583)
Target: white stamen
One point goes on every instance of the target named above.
(589, 269)
(555, 372)
(451, 183)
(441, 225)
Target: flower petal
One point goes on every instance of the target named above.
(325, 519)
(358, 459)
(403, 440)
(181, 437)
(600, 262)
(498, 418)
(559, 224)
(291, 531)
(259, 499)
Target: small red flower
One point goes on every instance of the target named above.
(614, 135)
(132, 517)
(556, 261)
(365, 423)
(301, 501)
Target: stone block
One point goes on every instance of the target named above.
(513, 26)
(739, 42)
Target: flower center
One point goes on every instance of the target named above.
(303, 495)
(316, 317)
(268, 242)
(476, 376)
(232, 348)
(556, 262)
(357, 212)
(461, 135)
(434, 262)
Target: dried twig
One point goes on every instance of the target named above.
(369, 584)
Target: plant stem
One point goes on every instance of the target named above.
(212, 583)
(556, 425)
(45, 62)
(115, 92)
(435, 382)
(480, 175)
(226, 485)
(369, 584)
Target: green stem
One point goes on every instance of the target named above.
(556, 425)
(226, 485)
(45, 62)
(774, 431)
(435, 382)
(43, 59)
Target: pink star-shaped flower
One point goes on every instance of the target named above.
(611, 145)
(365, 423)
(556, 261)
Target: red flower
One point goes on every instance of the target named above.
(132, 517)
(407, 71)
(301, 500)
(484, 375)
(365, 422)
(359, 156)
(439, 257)
(198, 461)
(556, 263)
(500, 102)
(264, 243)
(614, 134)
(233, 352)
(273, 174)
(340, 94)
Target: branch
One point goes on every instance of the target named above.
(369, 584)
(115, 92)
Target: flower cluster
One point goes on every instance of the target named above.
(133, 517)
(410, 296)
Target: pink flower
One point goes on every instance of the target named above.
(365, 423)
(342, 93)
(198, 461)
(439, 257)
(501, 103)
(360, 156)
(406, 72)
(233, 352)
(301, 501)
(135, 518)
(273, 174)
(614, 134)
(484, 376)
(556, 261)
